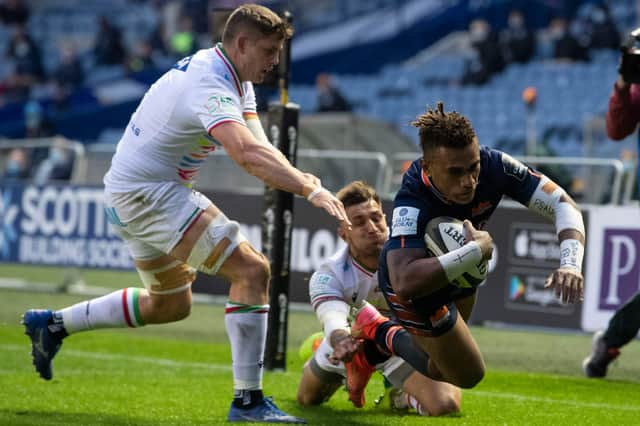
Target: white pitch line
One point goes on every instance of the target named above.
(555, 401)
(225, 367)
(133, 358)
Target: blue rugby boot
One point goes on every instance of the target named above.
(44, 342)
(264, 412)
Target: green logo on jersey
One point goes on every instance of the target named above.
(217, 104)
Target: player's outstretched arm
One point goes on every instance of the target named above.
(269, 165)
(567, 280)
(553, 202)
(333, 314)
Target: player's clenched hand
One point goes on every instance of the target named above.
(567, 283)
(483, 238)
(324, 199)
(344, 349)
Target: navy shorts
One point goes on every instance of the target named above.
(430, 316)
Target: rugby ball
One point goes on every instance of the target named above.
(444, 234)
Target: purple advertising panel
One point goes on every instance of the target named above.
(613, 263)
(620, 267)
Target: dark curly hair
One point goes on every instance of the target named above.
(438, 128)
(257, 18)
(357, 192)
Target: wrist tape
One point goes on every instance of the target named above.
(459, 261)
(571, 254)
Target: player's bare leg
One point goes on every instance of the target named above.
(170, 300)
(174, 305)
(313, 390)
(455, 356)
(432, 397)
(245, 313)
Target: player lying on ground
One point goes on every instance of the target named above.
(344, 282)
(206, 101)
(457, 178)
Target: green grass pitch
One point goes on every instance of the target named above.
(179, 374)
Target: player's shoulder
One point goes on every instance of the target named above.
(194, 64)
(209, 69)
(490, 157)
(414, 191)
(498, 163)
(412, 177)
(324, 282)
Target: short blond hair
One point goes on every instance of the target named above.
(257, 18)
(357, 192)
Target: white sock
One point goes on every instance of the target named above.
(117, 309)
(413, 403)
(247, 330)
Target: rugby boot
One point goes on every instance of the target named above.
(367, 321)
(264, 412)
(359, 372)
(44, 343)
(601, 356)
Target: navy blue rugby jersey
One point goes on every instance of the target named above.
(418, 201)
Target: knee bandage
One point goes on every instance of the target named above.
(215, 245)
(169, 279)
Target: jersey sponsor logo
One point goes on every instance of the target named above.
(543, 208)
(182, 64)
(452, 235)
(404, 221)
(217, 104)
(323, 278)
(513, 167)
(320, 284)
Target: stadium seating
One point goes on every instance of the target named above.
(568, 95)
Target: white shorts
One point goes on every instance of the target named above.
(152, 219)
(395, 369)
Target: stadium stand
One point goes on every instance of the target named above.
(569, 95)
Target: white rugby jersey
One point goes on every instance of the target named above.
(342, 278)
(167, 138)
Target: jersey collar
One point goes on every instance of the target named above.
(431, 187)
(360, 267)
(230, 67)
